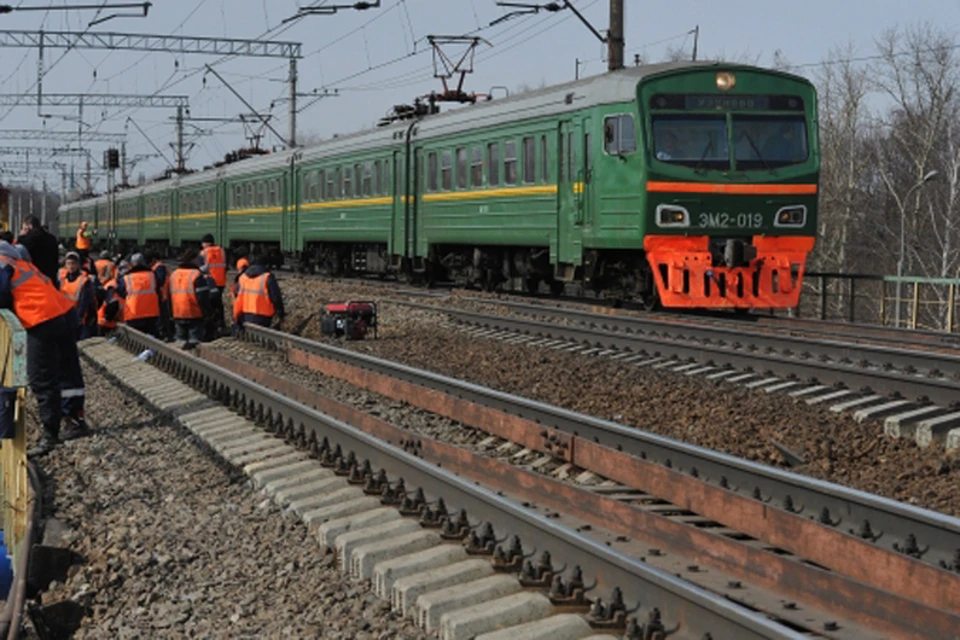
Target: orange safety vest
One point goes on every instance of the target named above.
(83, 242)
(142, 299)
(110, 287)
(183, 295)
(106, 270)
(216, 262)
(253, 296)
(35, 299)
(72, 289)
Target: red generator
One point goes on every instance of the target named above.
(351, 319)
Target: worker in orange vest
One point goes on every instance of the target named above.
(189, 299)
(165, 326)
(214, 259)
(84, 242)
(53, 363)
(79, 288)
(141, 296)
(110, 312)
(259, 299)
(105, 267)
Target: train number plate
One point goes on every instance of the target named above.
(731, 220)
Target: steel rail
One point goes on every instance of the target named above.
(698, 611)
(946, 364)
(744, 354)
(824, 500)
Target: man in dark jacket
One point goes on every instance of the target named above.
(43, 247)
(258, 298)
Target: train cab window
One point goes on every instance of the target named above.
(446, 170)
(432, 172)
(319, 181)
(461, 168)
(347, 182)
(510, 162)
(493, 164)
(368, 179)
(476, 167)
(619, 134)
(544, 168)
(529, 160)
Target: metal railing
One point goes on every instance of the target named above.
(18, 490)
(926, 303)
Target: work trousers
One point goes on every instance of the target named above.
(53, 368)
(150, 326)
(191, 331)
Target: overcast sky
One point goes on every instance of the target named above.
(379, 58)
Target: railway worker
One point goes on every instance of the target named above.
(259, 299)
(105, 267)
(53, 364)
(110, 311)
(159, 269)
(190, 300)
(141, 295)
(242, 264)
(84, 240)
(214, 258)
(43, 246)
(80, 288)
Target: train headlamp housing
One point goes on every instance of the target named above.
(671, 215)
(794, 216)
(726, 81)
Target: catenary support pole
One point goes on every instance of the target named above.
(615, 41)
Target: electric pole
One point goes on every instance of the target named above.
(615, 41)
(292, 139)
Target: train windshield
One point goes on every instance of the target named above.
(692, 140)
(769, 141)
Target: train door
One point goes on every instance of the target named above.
(221, 200)
(569, 247)
(585, 150)
(398, 215)
(288, 211)
(414, 247)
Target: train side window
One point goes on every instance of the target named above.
(461, 168)
(248, 195)
(347, 182)
(544, 168)
(619, 134)
(338, 183)
(305, 179)
(261, 194)
(271, 193)
(432, 171)
(377, 178)
(368, 179)
(446, 170)
(587, 157)
(493, 164)
(529, 160)
(320, 180)
(510, 162)
(476, 166)
(387, 190)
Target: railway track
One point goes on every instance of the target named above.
(612, 558)
(915, 393)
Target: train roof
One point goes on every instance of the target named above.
(606, 88)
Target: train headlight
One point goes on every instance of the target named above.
(794, 216)
(671, 215)
(726, 81)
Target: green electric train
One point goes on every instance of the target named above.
(683, 184)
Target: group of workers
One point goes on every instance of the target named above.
(58, 306)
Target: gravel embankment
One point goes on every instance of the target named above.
(715, 415)
(175, 548)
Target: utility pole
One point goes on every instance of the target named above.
(123, 164)
(292, 81)
(696, 41)
(181, 163)
(43, 204)
(615, 41)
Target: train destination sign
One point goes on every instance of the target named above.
(726, 102)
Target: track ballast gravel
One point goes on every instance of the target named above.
(711, 414)
(175, 547)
